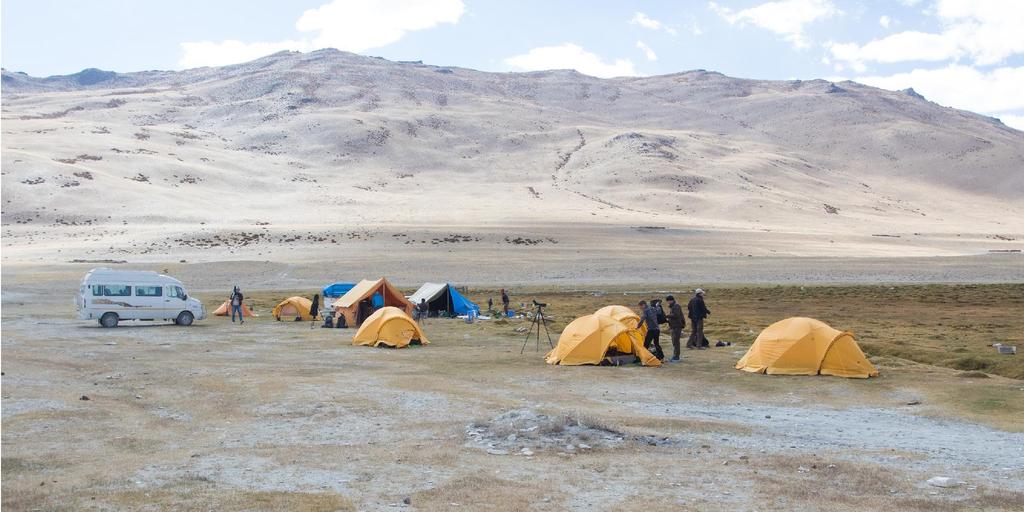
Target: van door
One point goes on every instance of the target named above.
(150, 300)
(116, 298)
(175, 300)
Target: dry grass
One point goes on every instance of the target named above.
(814, 483)
(480, 492)
(223, 403)
(944, 325)
(197, 495)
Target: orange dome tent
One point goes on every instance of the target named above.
(389, 326)
(587, 340)
(293, 308)
(805, 346)
(225, 310)
(624, 315)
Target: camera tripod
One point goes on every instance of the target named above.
(538, 321)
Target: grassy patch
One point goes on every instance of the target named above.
(951, 326)
(210, 497)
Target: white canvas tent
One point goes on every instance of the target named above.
(442, 297)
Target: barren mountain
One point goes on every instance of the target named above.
(328, 150)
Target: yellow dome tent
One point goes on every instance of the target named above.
(389, 326)
(805, 346)
(587, 340)
(293, 308)
(225, 310)
(624, 315)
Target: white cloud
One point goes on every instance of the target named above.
(1013, 121)
(569, 56)
(901, 47)
(645, 21)
(961, 87)
(650, 23)
(350, 25)
(885, 21)
(987, 32)
(786, 18)
(648, 52)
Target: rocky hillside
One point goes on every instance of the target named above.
(339, 140)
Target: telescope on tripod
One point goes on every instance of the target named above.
(538, 322)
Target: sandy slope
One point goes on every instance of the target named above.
(300, 149)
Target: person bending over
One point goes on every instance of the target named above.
(649, 316)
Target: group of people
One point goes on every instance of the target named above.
(653, 316)
(504, 303)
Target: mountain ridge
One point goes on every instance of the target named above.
(695, 148)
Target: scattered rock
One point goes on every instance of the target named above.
(407, 500)
(84, 397)
(495, 451)
(914, 402)
(942, 481)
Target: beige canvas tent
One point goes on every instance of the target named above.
(348, 305)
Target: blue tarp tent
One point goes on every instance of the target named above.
(443, 297)
(336, 290)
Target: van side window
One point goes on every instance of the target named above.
(97, 290)
(175, 292)
(149, 291)
(116, 290)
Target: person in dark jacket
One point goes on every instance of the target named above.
(676, 324)
(649, 316)
(236, 305)
(697, 311)
(504, 302)
(422, 310)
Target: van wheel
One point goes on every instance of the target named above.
(109, 320)
(184, 318)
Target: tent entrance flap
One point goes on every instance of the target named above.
(443, 297)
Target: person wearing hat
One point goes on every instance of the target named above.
(676, 324)
(697, 312)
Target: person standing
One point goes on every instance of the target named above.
(697, 311)
(504, 302)
(236, 305)
(649, 317)
(422, 310)
(676, 324)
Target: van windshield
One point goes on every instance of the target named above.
(175, 292)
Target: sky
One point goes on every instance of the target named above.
(966, 54)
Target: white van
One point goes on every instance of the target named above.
(112, 295)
